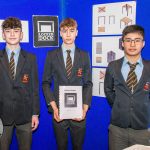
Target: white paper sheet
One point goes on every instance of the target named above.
(106, 49)
(70, 102)
(98, 75)
(138, 147)
(111, 18)
(1, 127)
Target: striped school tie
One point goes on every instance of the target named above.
(12, 65)
(132, 78)
(68, 64)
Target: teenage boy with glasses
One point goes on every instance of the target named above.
(127, 89)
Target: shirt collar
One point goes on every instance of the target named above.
(16, 51)
(139, 61)
(64, 48)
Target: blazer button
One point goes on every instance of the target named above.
(131, 108)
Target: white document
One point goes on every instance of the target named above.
(70, 102)
(138, 147)
(1, 127)
(111, 18)
(98, 75)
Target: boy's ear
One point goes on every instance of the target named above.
(3, 36)
(60, 34)
(77, 33)
(21, 37)
(122, 44)
(143, 43)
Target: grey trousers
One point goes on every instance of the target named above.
(120, 138)
(77, 132)
(23, 133)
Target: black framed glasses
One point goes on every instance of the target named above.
(136, 41)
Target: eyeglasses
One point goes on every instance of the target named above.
(136, 41)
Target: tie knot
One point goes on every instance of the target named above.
(12, 53)
(68, 51)
(132, 66)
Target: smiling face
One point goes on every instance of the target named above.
(12, 32)
(133, 44)
(12, 36)
(68, 35)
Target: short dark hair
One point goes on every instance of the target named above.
(11, 22)
(133, 29)
(68, 22)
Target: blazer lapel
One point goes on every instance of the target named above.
(144, 76)
(61, 60)
(21, 62)
(5, 62)
(76, 61)
(120, 76)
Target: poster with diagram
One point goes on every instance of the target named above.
(98, 75)
(105, 50)
(111, 18)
